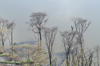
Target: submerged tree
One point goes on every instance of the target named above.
(37, 23)
(49, 35)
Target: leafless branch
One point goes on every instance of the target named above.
(49, 34)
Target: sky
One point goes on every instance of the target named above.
(59, 12)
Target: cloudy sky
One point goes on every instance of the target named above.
(59, 13)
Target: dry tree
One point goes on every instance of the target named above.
(11, 27)
(49, 34)
(4, 32)
(67, 39)
(97, 48)
(90, 57)
(37, 23)
(81, 26)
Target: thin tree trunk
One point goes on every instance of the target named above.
(40, 38)
(50, 61)
(12, 40)
(50, 58)
(81, 50)
(3, 44)
(97, 58)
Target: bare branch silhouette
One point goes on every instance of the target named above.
(49, 34)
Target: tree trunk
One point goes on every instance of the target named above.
(40, 38)
(50, 60)
(3, 44)
(12, 40)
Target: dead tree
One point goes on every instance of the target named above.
(49, 34)
(11, 26)
(4, 32)
(37, 23)
(97, 48)
(81, 26)
(67, 39)
(90, 58)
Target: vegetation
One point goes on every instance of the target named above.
(50, 38)
(31, 55)
(37, 23)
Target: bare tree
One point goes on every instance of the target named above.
(97, 48)
(4, 31)
(49, 34)
(90, 58)
(81, 26)
(11, 26)
(37, 23)
(67, 39)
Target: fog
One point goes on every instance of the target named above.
(59, 12)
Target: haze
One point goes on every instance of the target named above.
(59, 13)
